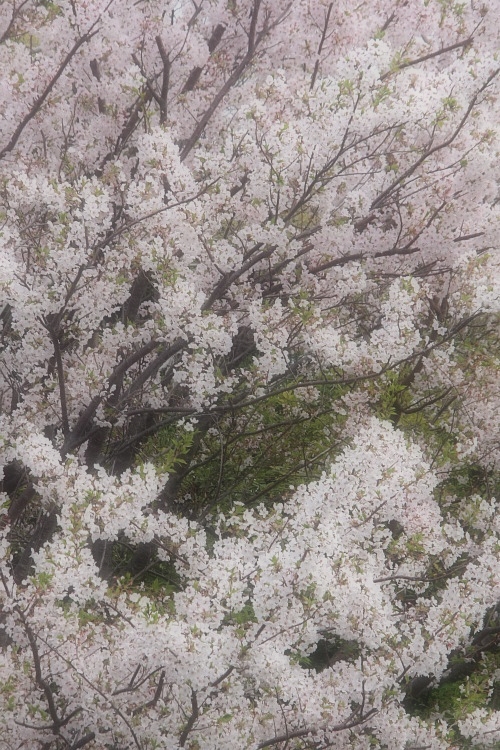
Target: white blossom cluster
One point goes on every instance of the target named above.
(204, 206)
(252, 604)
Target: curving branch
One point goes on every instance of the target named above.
(97, 689)
(57, 721)
(79, 433)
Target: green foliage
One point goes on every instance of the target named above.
(51, 6)
(156, 577)
(457, 698)
(90, 614)
(43, 580)
(466, 486)
(254, 455)
(382, 93)
(243, 616)
(329, 650)
(394, 395)
(168, 448)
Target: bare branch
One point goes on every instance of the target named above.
(128, 225)
(57, 721)
(222, 677)
(156, 697)
(79, 431)
(95, 687)
(466, 237)
(388, 21)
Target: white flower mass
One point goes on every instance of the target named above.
(249, 374)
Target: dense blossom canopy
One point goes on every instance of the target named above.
(222, 221)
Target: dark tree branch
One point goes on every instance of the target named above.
(127, 226)
(254, 40)
(458, 45)
(191, 721)
(223, 676)
(467, 237)
(321, 43)
(54, 337)
(57, 721)
(79, 433)
(230, 278)
(195, 74)
(95, 687)
(15, 14)
(39, 102)
(165, 80)
(151, 370)
(133, 685)
(96, 72)
(245, 402)
(154, 700)
(388, 22)
(348, 724)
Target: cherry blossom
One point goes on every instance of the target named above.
(218, 220)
